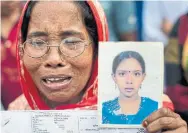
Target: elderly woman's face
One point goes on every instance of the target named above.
(129, 77)
(59, 78)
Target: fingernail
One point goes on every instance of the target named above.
(145, 124)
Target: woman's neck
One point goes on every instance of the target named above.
(129, 106)
(129, 99)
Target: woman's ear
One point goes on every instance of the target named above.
(113, 77)
(143, 76)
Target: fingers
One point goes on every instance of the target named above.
(160, 113)
(164, 118)
(166, 123)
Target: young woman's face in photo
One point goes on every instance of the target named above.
(59, 78)
(128, 77)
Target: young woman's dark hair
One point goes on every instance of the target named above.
(126, 55)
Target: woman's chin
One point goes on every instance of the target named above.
(56, 99)
(60, 95)
(129, 95)
(59, 99)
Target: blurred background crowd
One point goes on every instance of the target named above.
(154, 21)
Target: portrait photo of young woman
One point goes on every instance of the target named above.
(128, 72)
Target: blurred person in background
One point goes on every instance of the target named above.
(176, 59)
(159, 18)
(10, 86)
(121, 17)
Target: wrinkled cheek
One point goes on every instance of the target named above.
(31, 65)
(82, 62)
(85, 60)
(82, 75)
(82, 66)
(82, 70)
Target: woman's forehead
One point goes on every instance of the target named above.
(130, 64)
(55, 16)
(54, 10)
(56, 6)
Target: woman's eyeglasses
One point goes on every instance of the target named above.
(71, 47)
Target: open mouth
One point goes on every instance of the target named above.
(56, 82)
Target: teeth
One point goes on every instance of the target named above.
(54, 79)
(62, 79)
(51, 79)
(48, 82)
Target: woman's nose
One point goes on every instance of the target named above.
(54, 59)
(129, 78)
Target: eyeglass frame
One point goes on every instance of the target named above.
(48, 48)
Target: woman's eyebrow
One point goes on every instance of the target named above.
(137, 70)
(62, 34)
(37, 34)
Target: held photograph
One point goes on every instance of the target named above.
(130, 82)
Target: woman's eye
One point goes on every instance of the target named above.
(137, 74)
(121, 74)
(37, 43)
(72, 41)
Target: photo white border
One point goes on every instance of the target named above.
(132, 46)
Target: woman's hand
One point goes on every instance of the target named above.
(20, 103)
(165, 119)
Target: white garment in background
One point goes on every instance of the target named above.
(153, 14)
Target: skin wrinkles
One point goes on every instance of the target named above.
(79, 68)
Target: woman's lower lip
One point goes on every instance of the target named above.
(129, 89)
(57, 86)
